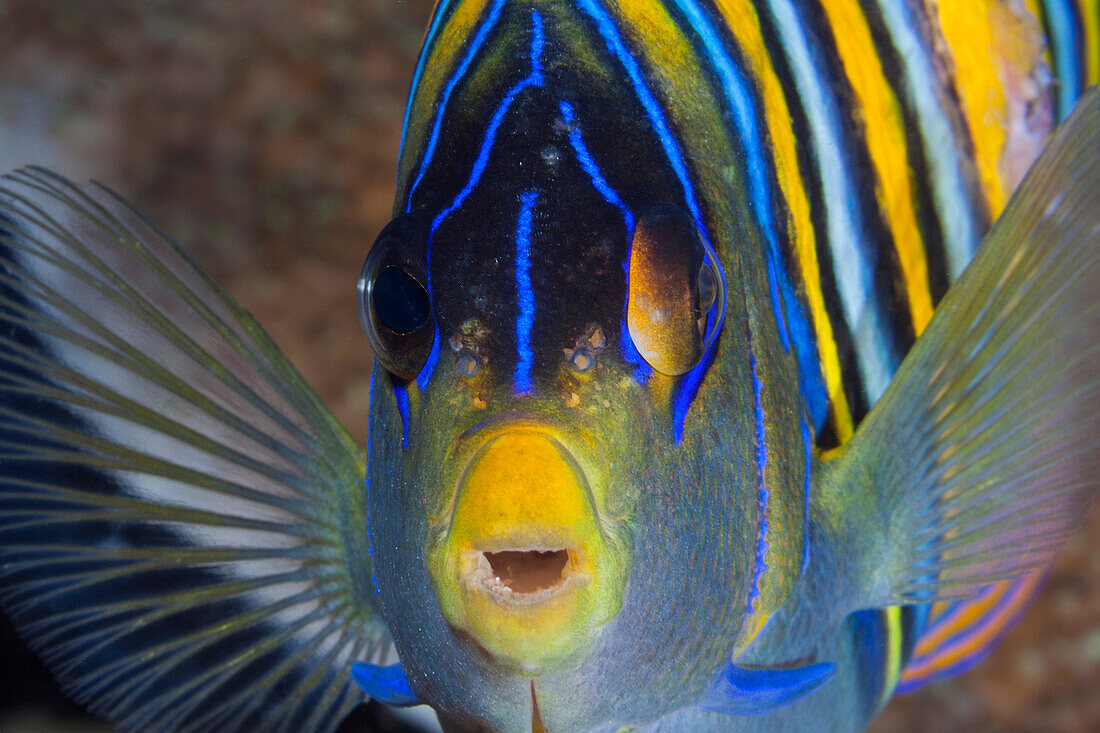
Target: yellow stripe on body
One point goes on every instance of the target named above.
(968, 30)
(448, 49)
(886, 141)
(740, 17)
(891, 672)
(1090, 16)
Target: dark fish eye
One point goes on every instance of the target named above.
(395, 307)
(400, 301)
(676, 299)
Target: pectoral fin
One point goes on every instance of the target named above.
(985, 450)
(181, 519)
(748, 691)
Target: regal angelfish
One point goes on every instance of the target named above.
(721, 362)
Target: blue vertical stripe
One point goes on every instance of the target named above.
(428, 369)
(1066, 41)
(525, 319)
(761, 465)
(433, 138)
(401, 394)
(535, 78)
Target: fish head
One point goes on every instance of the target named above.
(563, 478)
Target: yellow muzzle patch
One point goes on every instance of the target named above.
(524, 568)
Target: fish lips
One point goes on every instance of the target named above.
(522, 565)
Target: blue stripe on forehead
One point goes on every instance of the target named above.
(525, 319)
(533, 79)
(456, 77)
(617, 48)
(593, 170)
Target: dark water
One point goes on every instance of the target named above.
(263, 137)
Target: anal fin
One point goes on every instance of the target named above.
(959, 634)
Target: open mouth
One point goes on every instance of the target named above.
(521, 565)
(524, 576)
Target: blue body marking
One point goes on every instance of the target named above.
(429, 39)
(535, 78)
(428, 369)
(741, 691)
(525, 319)
(1063, 23)
(387, 685)
(433, 139)
(593, 170)
(686, 389)
(761, 464)
(807, 485)
(401, 394)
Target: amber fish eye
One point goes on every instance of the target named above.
(676, 299)
(395, 309)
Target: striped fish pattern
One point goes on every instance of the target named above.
(892, 144)
(879, 138)
(696, 404)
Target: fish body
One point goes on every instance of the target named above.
(651, 267)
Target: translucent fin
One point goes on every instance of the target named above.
(985, 450)
(182, 532)
(960, 634)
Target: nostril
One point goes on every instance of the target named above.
(527, 571)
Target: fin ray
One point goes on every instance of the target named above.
(982, 455)
(177, 507)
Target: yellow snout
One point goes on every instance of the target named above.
(524, 568)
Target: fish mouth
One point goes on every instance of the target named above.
(524, 576)
(522, 566)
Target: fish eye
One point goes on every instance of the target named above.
(400, 301)
(676, 299)
(395, 308)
